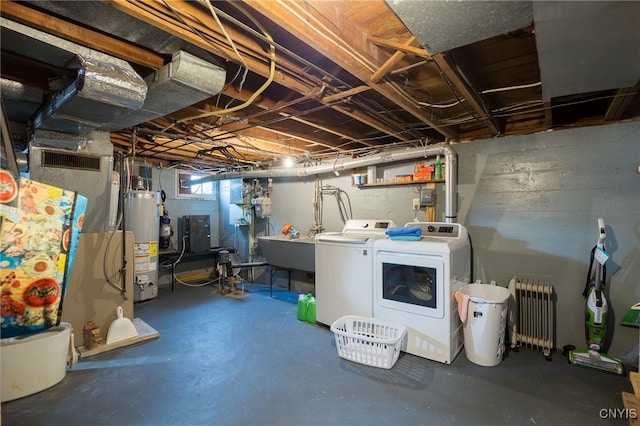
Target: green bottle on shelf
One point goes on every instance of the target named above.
(438, 168)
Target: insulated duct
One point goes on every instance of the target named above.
(102, 92)
(96, 89)
(185, 81)
(451, 170)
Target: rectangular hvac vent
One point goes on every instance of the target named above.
(70, 161)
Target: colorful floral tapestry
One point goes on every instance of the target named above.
(39, 229)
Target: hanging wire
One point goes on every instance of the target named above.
(267, 83)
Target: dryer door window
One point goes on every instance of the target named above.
(410, 284)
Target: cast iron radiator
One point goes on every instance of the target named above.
(531, 315)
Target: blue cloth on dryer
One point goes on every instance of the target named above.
(404, 231)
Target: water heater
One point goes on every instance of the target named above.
(143, 219)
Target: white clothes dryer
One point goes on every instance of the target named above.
(414, 285)
(344, 269)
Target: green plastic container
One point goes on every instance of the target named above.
(311, 310)
(307, 308)
(302, 307)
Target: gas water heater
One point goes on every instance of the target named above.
(143, 219)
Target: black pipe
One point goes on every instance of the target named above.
(123, 270)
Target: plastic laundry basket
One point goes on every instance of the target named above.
(484, 327)
(369, 341)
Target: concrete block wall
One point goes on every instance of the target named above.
(531, 205)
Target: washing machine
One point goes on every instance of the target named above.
(344, 269)
(414, 285)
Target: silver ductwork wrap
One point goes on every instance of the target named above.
(103, 92)
(183, 82)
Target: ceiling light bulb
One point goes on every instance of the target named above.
(288, 162)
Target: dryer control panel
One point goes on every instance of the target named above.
(437, 229)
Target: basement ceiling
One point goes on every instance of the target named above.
(238, 85)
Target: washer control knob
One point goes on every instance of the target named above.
(431, 228)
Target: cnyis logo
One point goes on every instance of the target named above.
(618, 413)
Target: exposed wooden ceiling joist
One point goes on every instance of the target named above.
(81, 35)
(349, 77)
(339, 52)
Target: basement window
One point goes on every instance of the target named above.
(194, 186)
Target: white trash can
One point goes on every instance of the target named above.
(485, 322)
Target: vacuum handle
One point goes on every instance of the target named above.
(598, 295)
(601, 232)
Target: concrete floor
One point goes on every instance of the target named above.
(224, 361)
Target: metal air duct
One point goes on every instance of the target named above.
(104, 88)
(587, 46)
(442, 25)
(103, 92)
(185, 81)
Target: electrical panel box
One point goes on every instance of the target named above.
(427, 197)
(195, 232)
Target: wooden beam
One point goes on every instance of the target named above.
(384, 69)
(332, 50)
(448, 68)
(260, 66)
(394, 59)
(406, 48)
(330, 130)
(205, 23)
(272, 108)
(345, 94)
(200, 21)
(80, 35)
(357, 115)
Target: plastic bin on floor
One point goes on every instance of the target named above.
(484, 327)
(369, 341)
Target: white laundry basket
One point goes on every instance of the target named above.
(369, 341)
(484, 327)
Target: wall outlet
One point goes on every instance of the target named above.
(416, 203)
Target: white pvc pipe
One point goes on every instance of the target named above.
(450, 158)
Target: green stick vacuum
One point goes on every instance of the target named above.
(596, 313)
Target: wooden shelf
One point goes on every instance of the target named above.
(398, 183)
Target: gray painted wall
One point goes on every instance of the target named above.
(531, 205)
(165, 179)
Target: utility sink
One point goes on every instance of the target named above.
(283, 252)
